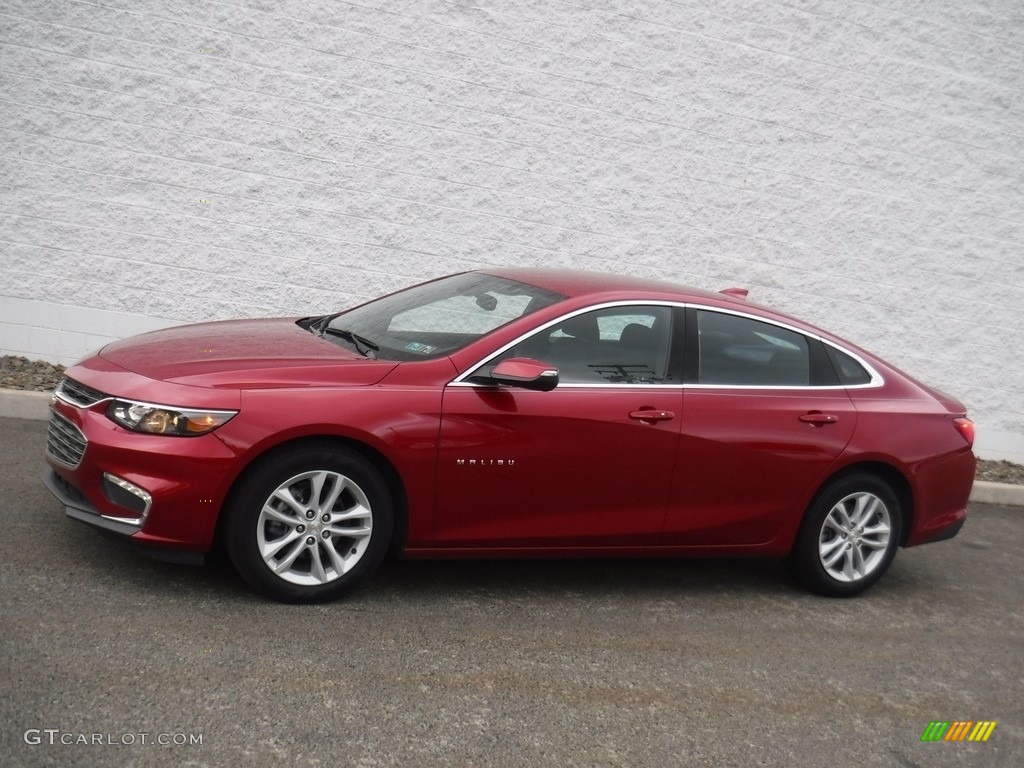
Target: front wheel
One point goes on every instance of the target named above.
(848, 538)
(309, 525)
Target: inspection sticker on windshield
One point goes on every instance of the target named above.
(422, 349)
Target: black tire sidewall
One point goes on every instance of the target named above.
(804, 559)
(243, 512)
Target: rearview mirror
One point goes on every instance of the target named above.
(525, 373)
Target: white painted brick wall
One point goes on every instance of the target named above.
(856, 163)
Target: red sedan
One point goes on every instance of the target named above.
(510, 413)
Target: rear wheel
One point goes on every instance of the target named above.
(309, 525)
(849, 536)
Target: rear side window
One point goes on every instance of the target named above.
(850, 372)
(741, 351)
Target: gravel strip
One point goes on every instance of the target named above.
(22, 373)
(1000, 472)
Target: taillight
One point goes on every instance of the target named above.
(966, 429)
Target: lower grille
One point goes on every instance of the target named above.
(65, 443)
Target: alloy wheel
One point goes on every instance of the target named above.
(314, 527)
(854, 537)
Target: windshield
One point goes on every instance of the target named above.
(436, 318)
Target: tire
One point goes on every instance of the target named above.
(309, 525)
(848, 537)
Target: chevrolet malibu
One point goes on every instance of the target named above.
(510, 413)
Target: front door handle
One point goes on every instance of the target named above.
(650, 414)
(819, 419)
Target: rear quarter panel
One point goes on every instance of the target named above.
(907, 428)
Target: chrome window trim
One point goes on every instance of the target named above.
(572, 385)
(459, 381)
(876, 377)
(775, 387)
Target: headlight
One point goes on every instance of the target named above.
(164, 420)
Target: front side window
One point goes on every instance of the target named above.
(615, 345)
(741, 351)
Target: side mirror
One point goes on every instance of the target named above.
(525, 373)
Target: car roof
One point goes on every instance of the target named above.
(578, 282)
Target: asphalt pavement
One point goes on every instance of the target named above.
(110, 658)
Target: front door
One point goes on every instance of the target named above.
(586, 464)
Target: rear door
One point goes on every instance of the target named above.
(764, 418)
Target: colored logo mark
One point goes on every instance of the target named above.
(958, 730)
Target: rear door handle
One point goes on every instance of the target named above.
(819, 419)
(649, 414)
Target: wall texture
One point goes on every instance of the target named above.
(856, 163)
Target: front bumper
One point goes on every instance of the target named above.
(78, 508)
(160, 492)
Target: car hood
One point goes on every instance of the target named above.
(244, 354)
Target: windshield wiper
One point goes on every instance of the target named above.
(363, 345)
(320, 323)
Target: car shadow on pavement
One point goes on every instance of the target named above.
(590, 577)
(427, 580)
(648, 577)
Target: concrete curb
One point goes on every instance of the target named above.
(19, 404)
(985, 492)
